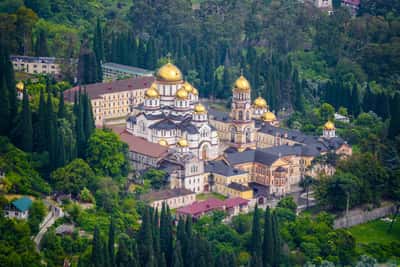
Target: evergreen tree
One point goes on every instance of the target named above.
(61, 107)
(124, 257)
(355, 101)
(256, 240)
(41, 47)
(60, 156)
(394, 125)
(51, 131)
(97, 258)
(276, 241)
(87, 65)
(23, 132)
(5, 122)
(88, 123)
(369, 100)
(268, 243)
(111, 242)
(146, 241)
(98, 48)
(177, 258)
(42, 124)
(7, 73)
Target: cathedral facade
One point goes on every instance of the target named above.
(172, 116)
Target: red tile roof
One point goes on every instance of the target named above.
(95, 90)
(142, 146)
(197, 208)
(234, 202)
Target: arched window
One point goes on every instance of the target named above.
(240, 115)
(248, 115)
(248, 135)
(232, 134)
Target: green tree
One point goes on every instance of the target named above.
(256, 240)
(37, 213)
(111, 242)
(41, 48)
(97, 257)
(107, 154)
(288, 202)
(4, 109)
(268, 247)
(73, 177)
(24, 131)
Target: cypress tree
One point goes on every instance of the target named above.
(141, 54)
(88, 123)
(124, 257)
(98, 48)
(111, 242)
(268, 244)
(4, 109)
(27, 135)
(146, 241)
(7, 73)
(394, 125)
(177, 258)
(355, 101)
(41, 48)
(97, 249)
(41, 129)
(156, 236)
(51, 131)
(60, 156)
(87, 65)
(255, 240)
(276, 241)
(61, 107)
(368, 100)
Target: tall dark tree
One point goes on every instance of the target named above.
(276, 242)
(87, 65)
(177, 257)
(268, 242)
(41, 137)
(51, 131)
(256, 240)
(41, 47)
(394, 125)
(23, 132)
(145, 245)
(61, 107)
(98, 48)
(355, 101)
(111, 243)
(5, 122)
(97, 257)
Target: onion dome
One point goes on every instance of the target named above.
(152, 92)
(182, 143)
(242, 84)
(260, 103)
(163, 142)
(268, 116)
(200, 109)
(194, 91)
(169, 73)
(329, 125)
(182, 94)
(188, 87)
(20, 86)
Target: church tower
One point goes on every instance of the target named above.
(329, 130)
(242, 127)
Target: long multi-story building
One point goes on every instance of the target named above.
(39, 65)
(113, 102)
(113, 71)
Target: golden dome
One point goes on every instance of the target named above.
(152, 92)
(182, 94)
(182, 143)
(329, 125)
(194, 91)
(260, 102)
(268, 116)
(169, 73)
(188, 87)
(200, 109)
(242, 84)
(20, 86)
(163, 142)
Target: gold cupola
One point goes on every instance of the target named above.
(182, 94)
(242, 84)
(194, 91)
(182, 143)
(20, 86)
(152, 92)
(268, 116)
(188, 87)
(200, 109)
(260, 103)
(169, 73)
(163, 142)
(329, 125)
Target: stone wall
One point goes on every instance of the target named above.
(359, 216)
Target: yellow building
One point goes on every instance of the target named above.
(114, 101)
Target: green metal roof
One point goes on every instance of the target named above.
(22, 204)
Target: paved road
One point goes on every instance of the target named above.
(56, 212)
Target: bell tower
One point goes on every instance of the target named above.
(242, 127)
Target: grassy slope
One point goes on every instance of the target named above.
(376, 231)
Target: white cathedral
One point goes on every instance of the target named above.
(172, 116)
